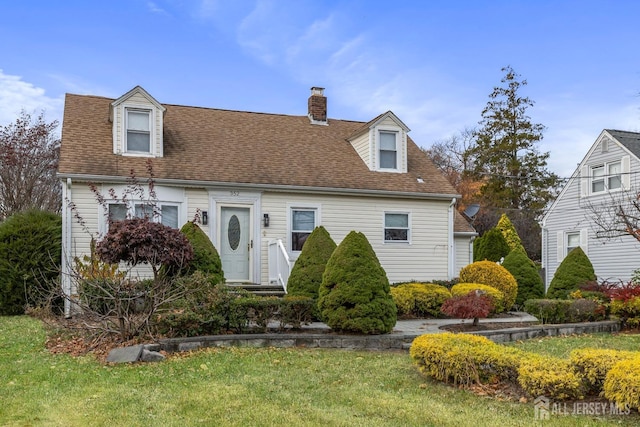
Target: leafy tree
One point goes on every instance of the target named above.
(138, 240)
(574, 270)
(509, 232)
(491, 247)
(30, 251)
(29, 153)
(473, 305)
(455, 159)
(306, 276)
(530, 285)
(514, 172)
(355, 294)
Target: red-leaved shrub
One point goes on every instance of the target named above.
(623, 292)
(473, 305)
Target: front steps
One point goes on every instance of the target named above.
(257, 289)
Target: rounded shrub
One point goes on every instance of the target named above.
(490, 247)
(306, 275)
(592, 365)
(549, 376)
(495, 295)
(206, 258)
(494, 275)
(419, 299)
(622, 383)
(30, 253)
(509, 233)
(530, 284)
(355, 294)
(575, 270)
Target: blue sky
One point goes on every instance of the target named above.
(433, 63)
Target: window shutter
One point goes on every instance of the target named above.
(584, 181)
(584, 240)
(560, 245)
(626, 176)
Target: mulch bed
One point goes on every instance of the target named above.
(489, 326)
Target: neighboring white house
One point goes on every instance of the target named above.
(261, 182)
(607, 175)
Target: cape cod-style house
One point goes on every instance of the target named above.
(259, 183)
(607, 176)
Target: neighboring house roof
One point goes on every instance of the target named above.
(631, 140)
(236, 147)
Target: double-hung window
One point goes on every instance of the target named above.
(303, 221)
(138, 131)
(396, 227)
(165, 213)
(388, 150)
(606, 177)
(573, 241)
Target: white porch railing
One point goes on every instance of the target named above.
(279, 263)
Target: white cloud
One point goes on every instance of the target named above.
(153, 7)
(17, 95)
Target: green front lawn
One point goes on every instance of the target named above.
(244, 387)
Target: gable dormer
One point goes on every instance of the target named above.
(382, 144)
(137, 124)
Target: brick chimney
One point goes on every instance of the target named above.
(318, 106)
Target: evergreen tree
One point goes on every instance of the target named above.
(515, 174)
(509, 233)
(574, 270)
(205, 256)
(492, 246)
(306, 276)
(530, 285)
(355, 295)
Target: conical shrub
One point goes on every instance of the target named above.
(530, 285)
(355, 294)
(573, 271)
(509, 233)
(206, 258)
(306, 276)
(492, 246)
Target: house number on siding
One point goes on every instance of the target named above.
(234, 193)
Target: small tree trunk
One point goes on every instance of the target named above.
(476, 321)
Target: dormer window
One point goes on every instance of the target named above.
(388, 150)
(138, 138)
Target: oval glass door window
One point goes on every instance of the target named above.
(233, 232)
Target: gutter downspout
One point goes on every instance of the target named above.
(452, 250)
(66, 246)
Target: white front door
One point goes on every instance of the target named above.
(236, 243)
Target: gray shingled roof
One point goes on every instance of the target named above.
(631, 140)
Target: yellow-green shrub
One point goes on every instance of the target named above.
(593, 364)
(549, 376)
(492, 274)
(464, 359)
(496, 296)
(628, 311)
(419, 299)
(622, 383)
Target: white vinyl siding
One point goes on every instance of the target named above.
(426, 258)
(611, 259)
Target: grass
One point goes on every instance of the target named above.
(241, 386)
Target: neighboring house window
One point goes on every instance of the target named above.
(614, 175)
(388, 150)
(138, 131)
(303, 221)
(606, 177)
(573, 241)
(396, 227)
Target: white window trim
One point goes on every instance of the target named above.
(399, 148)
(562, 241)
(409, 228)
(300, 207)
(624, 176)
(152, 130)
(131, 212)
